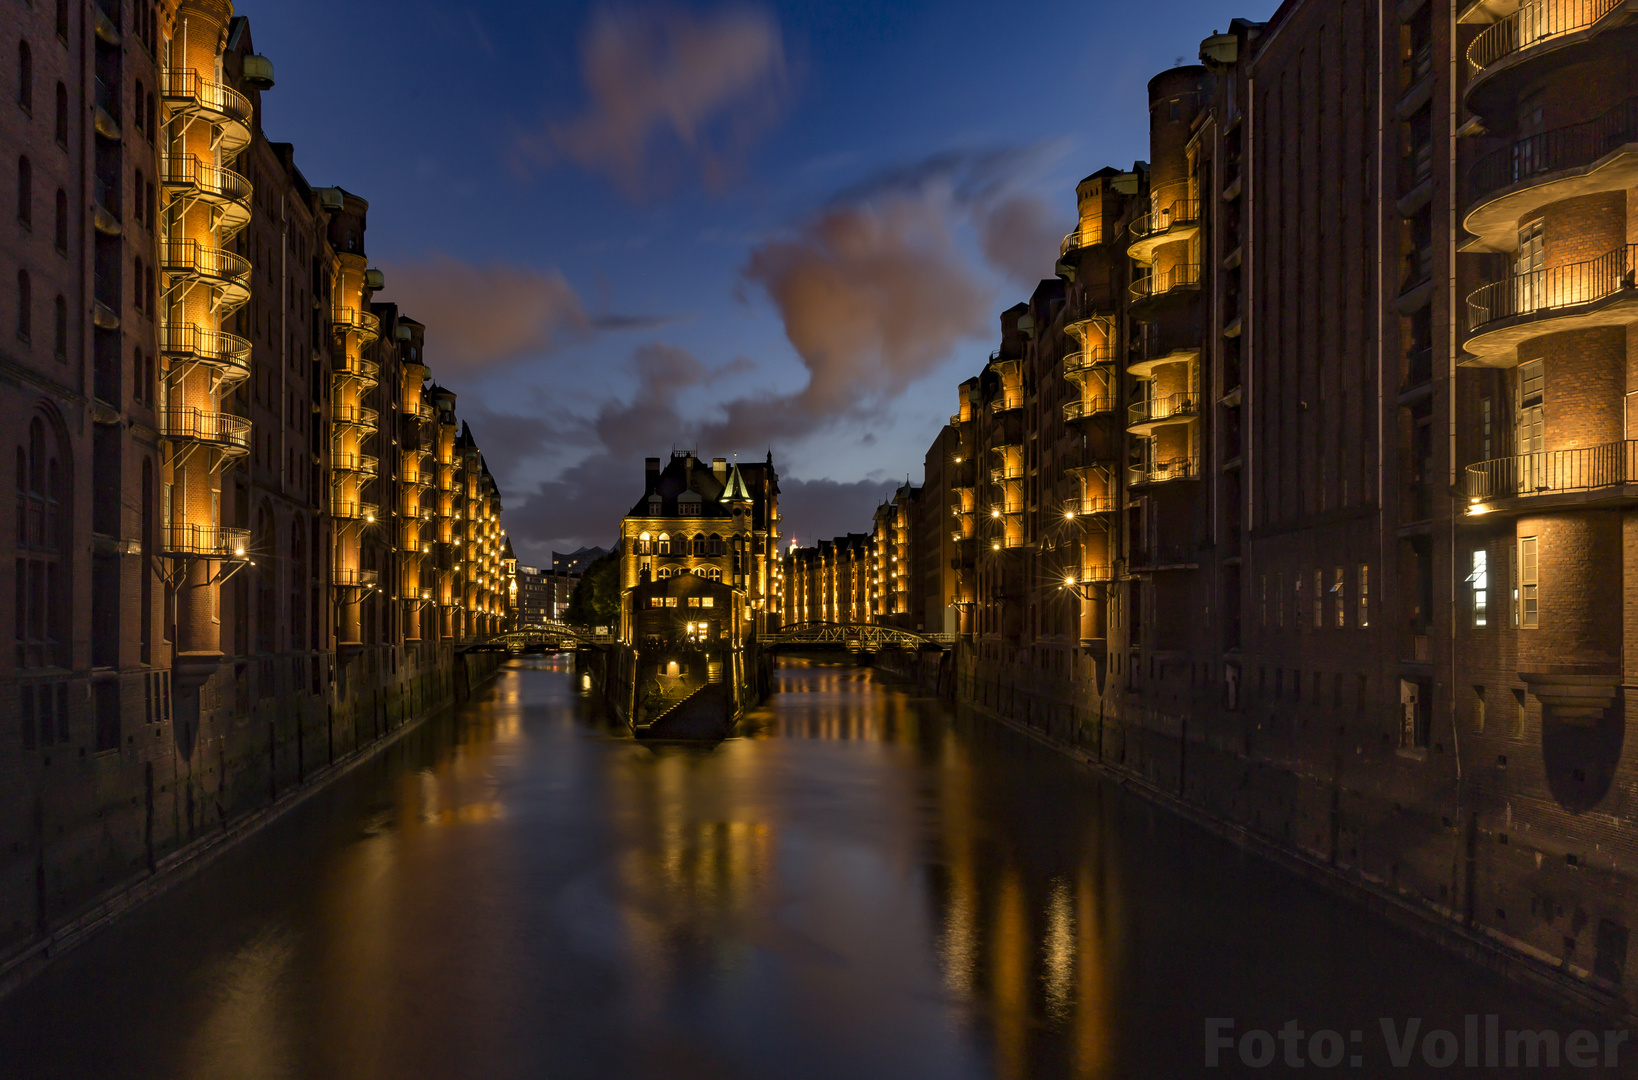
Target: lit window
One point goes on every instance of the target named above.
(1529, 606)
(1339, 592)
(1479, 578)
(1364, 595)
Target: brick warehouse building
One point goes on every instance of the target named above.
(1301, 493)
(246, 540)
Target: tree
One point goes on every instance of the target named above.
(596, 597)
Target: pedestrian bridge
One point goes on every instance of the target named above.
(855, 637)
(547, 635)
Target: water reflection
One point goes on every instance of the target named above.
(864, 883)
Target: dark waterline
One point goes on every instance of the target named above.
(869, 883)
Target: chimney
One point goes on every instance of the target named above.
(719, 467)
(651, 472)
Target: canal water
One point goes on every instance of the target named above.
(866, 883)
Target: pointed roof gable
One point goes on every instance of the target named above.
(736, 489)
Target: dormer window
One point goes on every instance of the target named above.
(653, 506)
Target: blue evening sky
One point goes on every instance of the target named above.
(726, 227)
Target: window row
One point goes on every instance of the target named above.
(664, 544)
(1324, 597)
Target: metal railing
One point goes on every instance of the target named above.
(1569, 147)
(1163, 408)
(1090, 504)
(191, 258)
(1550, 289)
(229, 352)
(349, 578)
(359, 463)
(1182, 276)
(1159, 472)
(1096, 574)
(186, 170)
(1080, 361)
(365, 324)
(1554, 471)
(1087, 408)
(1535, 22)
(211, 541)
(358, 416)
(196, 425)
(1007, 402)
(187, 87)
(359, 367)
(352, 509)
(1006, 472)
(1082, 236)
(1155, 222)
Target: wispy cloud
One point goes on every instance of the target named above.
(663, 84)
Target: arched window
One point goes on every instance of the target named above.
(40, 592)
(714, 545)
(645, 546)
(25, 191)
(62, 222)
(59, 346)
(665, 571)
(139, 386)
(665, 545)
(141, 125)
(139, 202)
(25, 77)
(699, 544)
(136, 284)
(716, 573)
(25, 305)
(62, 115)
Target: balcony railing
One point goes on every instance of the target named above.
(214, 182)
(1006, 472)
(1096, 574)
(353, 509)
(1158, 284)
(1554, 471)
(1535, 22)
(222, 430)
(357, 416)
(1559, 287)
(186, 91)
(349, 578)
(1087, 408)
(357, 367)
(1090, 504)
(1160, 472)
(1179, 406)
(367, 325)
(359, 463)
(205, 541)
(1083, 236)
(190, 258)
(1007, 402)
(1570, 147)
(229, 353)
(1181, 212)
(1079, 362)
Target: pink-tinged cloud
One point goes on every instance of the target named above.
(478, 317)
(873, 297)
(1019, 237)
(665, 82)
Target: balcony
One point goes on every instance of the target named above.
(1002, 473)
(1516, 42)
(221, 431)
(1088, 408)
(1081, 363)
(1163, 472)
(1598, 292)
(364, 324)
(356, 367)
(365, 464)
(226, 191)
(189, 260)
(1089, 505)
(353, 509)
(347, 578)
(1097, 574)
(1007, 402)
(185, 92)
(1087, 234)
(1177, 222)
(203, 542)
(1583, 474)
(1509, 184)
(1144, 362)
(1146, 415)
(186, 344)
(1161, 289)
(354, 416)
